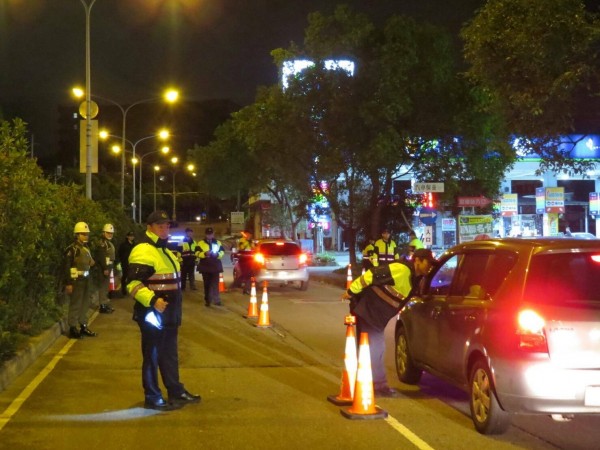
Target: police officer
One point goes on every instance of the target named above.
(368, 254)
(377, 296)
(78, 262)
(105, 257)
(245, 247)
(209, 252)
(386, 250)
(154, 284)
(187, 248)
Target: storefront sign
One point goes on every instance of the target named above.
(509, 205)
(595, 203)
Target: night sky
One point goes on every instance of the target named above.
(207, 48)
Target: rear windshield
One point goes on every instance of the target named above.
(564, 278)
(280, 249)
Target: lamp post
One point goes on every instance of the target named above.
(156, 169)
(174, 193)
(170, 96)
(163, 150)
(88, 107)
(163, 134)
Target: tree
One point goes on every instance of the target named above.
(535, 60)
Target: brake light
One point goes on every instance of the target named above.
(302, 258)
(531, 332)
(596, 258)
(259, 258)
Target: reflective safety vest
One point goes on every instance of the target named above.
(188, 249)
(385, 252)
(380, 293)
(245, 244)
(154, 272)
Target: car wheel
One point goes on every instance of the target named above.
(486, 413)
(304, 285)
(406, 369)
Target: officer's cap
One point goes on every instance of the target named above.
(158, 217)
(187, 230)
(209, 230)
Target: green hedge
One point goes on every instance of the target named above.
(36, 225)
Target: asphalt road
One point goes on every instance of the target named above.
(261, 388)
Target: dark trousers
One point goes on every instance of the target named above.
(125, 269)
(79, 302)
(376, 350)
(211, 288)
(159, 353)
(187, 273)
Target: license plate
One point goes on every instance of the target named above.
(592, 396)
(282, 274)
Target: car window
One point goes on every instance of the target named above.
(561, 278)
(481, 273)
(442, 280)
(280, 248)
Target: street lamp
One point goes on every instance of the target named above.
(174, 193)
(162, 134)
(170, 96)
(88, 107)
(156, 169)
(164, 150)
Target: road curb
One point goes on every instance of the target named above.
(37, 345)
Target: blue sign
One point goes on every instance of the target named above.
(428, 216)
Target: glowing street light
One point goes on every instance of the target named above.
(162, 134)
(170, 96)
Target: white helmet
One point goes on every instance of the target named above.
(81, 227)
(108, 228)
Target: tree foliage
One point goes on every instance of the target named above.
(36, 225)
(537, 63)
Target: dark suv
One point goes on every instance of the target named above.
(514, 322)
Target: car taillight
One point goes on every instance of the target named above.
(302, 258)
(531, 332)
(259, 258)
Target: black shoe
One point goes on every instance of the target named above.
(85, 331)
(161, 405)
(106, 309)
(387, 392)
(184, 398)
(218, 304)
(74, 333)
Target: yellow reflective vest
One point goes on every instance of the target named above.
(154, 272)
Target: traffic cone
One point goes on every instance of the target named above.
(263, 318)
(363, 406)
(252, 306)
(350, 365)
(221, 283)
(111, 283)
(349, 276)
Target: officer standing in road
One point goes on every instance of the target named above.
(154, 284)
(78, 262)
(375, 298)
(105, 257)
(245, 247)
(210, 252)
(368, 254)
(386, 250)
(187, 247)
(123, 254)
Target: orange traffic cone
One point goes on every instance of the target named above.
(350, 365)
(252, 306)
(263, 318)
(363, 406)
(349, 276)
(221, 283)
(111, 283)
